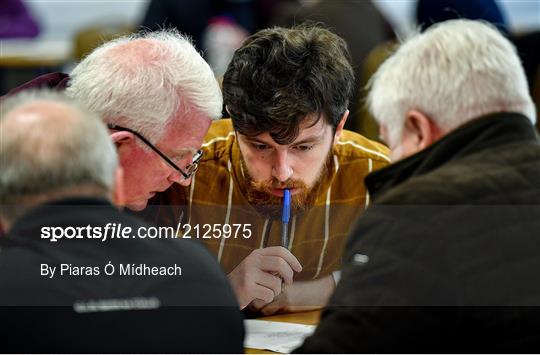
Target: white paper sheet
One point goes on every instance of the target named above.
(280, 337)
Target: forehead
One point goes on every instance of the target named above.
(307, 131)
(186, 133)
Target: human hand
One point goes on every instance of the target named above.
(299, 297)
(261, 274)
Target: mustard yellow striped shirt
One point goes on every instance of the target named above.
(317, 236)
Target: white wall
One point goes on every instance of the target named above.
(60, 19)
(522, 15)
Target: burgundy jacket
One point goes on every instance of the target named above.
(57, 81)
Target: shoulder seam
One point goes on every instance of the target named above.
(367, 150)
(217, 139)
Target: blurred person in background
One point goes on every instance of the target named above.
(359, 23)
(250, 15)
(432, 12)
(172, 14)
(218, 27)
(60, 170)
(445, 258)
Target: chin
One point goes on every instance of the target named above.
(136, 206)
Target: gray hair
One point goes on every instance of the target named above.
(454, 72)
(145, 80)
(42, 153)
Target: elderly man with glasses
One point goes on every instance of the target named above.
(158, 111)
(188, 171)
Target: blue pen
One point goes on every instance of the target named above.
(285, 217)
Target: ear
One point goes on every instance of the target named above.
(122, 140)
(341, 124)
(421, 130)
(122, 137)
(119, 197)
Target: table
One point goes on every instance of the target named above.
(32, 53)
(309, 318)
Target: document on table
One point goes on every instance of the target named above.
(280, 337)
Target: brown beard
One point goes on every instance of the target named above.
(259, 192)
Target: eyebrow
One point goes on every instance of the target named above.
(183, 151)
(312, 139)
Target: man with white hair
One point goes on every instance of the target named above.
(61, 261)
(158, 96)
(446, 257)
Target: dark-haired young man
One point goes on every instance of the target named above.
(287, 92)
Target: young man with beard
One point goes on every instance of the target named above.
(287, 92)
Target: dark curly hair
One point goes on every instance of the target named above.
(281, 75)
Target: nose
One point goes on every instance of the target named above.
(184, 182)
(281, 169)
(176, 177)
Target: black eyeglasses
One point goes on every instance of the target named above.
(189, 169)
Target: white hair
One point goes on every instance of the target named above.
(45, 155)
(146, 80)
(454, 72)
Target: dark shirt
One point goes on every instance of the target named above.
(447, 257)
(86, 310)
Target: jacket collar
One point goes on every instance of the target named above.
(60, 212)
(479, 134)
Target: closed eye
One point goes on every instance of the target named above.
(177, 159)
(259, 146)
(303, 148)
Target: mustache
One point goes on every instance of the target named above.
(276, 184)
